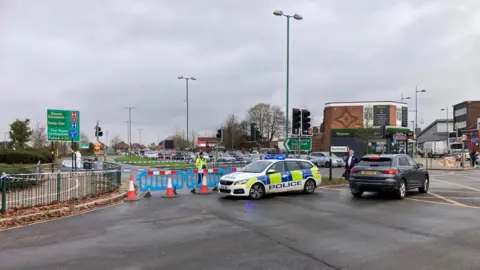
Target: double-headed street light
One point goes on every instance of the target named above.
(296, 17)
(186, 97)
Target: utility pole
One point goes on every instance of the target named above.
(130, 129)
(140, 136)
(416, 113)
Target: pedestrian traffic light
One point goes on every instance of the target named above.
(383, 131)
(305, 121)
(388, 134)
(296, 120)
(98, 131)
(219, 133)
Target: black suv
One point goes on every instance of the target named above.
(392, 173)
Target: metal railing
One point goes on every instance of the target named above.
(36, 189)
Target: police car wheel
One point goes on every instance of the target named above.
(257, 191)
(309, 187)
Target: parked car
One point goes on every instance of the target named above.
(388, 173)
(322, 159)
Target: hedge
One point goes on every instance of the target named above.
(22, 157)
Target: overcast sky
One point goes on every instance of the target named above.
(101, 56)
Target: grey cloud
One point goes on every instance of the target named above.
(100, 56)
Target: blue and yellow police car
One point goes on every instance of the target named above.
(271, 175)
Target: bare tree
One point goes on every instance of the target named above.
(270, 120)
(114, 142)
(38, 137)
(233, 132)
(84, 137)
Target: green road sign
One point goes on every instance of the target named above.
(63, 125)
(84, 145)
(291, 144)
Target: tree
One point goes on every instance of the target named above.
(179, 141)
(270, 120)
(20, 133)
(84, 138)
(152, 146)
(114, 142)
(38, 137)
(234, 132)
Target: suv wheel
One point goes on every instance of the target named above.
(402, 189)
(426, 185)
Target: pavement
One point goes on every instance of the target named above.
(326, 230)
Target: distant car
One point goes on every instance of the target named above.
(322, 159)
(388, 173)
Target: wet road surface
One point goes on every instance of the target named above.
(327, 230)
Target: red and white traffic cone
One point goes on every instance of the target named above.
(131, 194)
(170, 193)
(204, 189)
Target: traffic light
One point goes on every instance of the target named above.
(383, 131)
(219, 133)
(388, 134)
(296, 119)
(252, 131)
(305, 121)
(258, 135)
(98, 131)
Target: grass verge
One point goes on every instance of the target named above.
(334, 181)
(17, 168)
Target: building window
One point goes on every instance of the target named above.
(461, 125)
(460, 112)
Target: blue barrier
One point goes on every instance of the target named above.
(158, 180)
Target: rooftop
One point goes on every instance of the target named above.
(352, 103)
(437, 121)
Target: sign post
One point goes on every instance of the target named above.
(335, 149)
(62, 126)
(292, 143)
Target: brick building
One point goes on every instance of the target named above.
(343, 122)
(466, 114)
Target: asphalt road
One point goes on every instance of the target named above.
(327, 230)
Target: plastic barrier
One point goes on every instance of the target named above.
(213, 177)
(158, 180)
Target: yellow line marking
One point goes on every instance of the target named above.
(448, 200)
(425, 201)
(458, 185)
(336, 189)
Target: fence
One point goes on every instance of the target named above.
(157, 180)
(445, 163)
(35, 189)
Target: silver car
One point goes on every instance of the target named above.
(322, 159)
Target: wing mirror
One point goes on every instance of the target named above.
(419, 165)
(270, 171)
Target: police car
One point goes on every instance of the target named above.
(271, 175)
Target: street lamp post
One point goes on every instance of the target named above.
(448, 131)
(296, 17)
(404, 98)
(416, 111)
(186, 98)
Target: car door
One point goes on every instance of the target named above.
(294, 174)
(418, 173)
(276, 180)
(406, 170)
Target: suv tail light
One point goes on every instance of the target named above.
(353, 171)
(391, 172)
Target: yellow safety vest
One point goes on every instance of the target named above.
(200, 162)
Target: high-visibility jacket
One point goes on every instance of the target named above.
(200, 162)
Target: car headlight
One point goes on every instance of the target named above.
(241, 182)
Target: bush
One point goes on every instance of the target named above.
(22, 157)
(45, 152)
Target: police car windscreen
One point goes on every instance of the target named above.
(375, 162)
(256, 167)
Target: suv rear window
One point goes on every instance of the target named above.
(375, 161)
